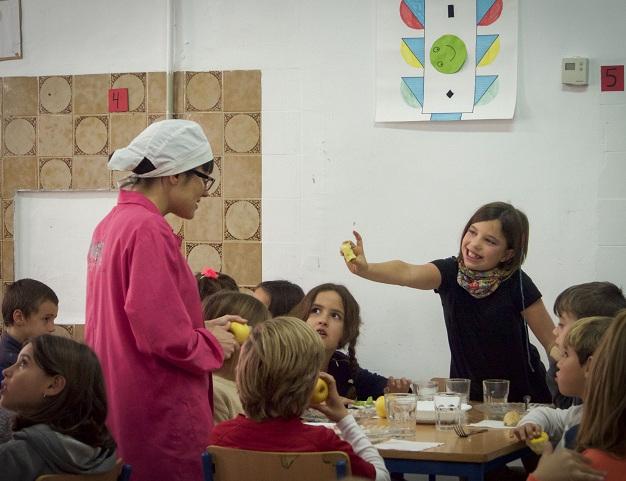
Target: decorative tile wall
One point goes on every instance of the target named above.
(56, 134)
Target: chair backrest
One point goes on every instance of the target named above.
(228, 464)
(120, 472)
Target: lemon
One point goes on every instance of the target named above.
(380, 407)
(536, 444)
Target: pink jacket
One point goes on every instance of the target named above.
(144, 321)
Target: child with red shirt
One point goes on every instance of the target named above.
(278, 368)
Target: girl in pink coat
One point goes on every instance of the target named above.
(144, 317)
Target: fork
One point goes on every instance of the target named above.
(462, 433)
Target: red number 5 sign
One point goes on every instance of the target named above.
(612, 78)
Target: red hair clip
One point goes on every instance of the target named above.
(208, 272)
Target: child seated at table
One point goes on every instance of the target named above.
(278, 369)
(56, 389)
(226, 403)
(332, 311)
(575, 302)
(572, 377)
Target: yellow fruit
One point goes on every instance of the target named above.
(320, 393)
(346, 250)
(240, 331)
(381, 411)
(537, 444)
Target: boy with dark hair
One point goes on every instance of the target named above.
(29, 309)
(575, 302)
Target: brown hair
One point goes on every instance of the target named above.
(237, 303)
(351, 321)
(515, 229)
(80, 409)
(603, 424)
(25, 295)
(284, 295)
(278, 366)
(590, 299)
(586, 334)
(208, 286)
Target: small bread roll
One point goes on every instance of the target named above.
(511, 418)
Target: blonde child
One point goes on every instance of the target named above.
(57, 390)
(332, 311)
(575, 302)
(487, 301)
(226, 403)
(277, 372)
(579, 346)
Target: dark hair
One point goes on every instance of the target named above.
(229, 302)
(590, 299)
(514, 228)
(146, 165)
(80, 409)
(351, 321)
(25, 295)
(208, 285)
(284, 295)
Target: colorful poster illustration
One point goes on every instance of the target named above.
(446, 60)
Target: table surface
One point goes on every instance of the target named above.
(478, 448)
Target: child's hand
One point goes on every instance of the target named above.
(333, 407)
(359, 265)
(565, 465)
(526, 431)
(398, 385)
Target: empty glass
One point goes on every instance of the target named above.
(401, 413)
(495, 391)
(462, 386)
(425, 390)
(447, 410)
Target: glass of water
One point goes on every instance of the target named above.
(447, 410)
(495, 391)
(401, 412)
(425, 390)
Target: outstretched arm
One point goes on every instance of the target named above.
(424, 276)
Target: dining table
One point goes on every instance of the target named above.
(470, 457)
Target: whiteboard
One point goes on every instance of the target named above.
(52, 233)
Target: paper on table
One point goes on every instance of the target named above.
(403, 445)
(490, 423)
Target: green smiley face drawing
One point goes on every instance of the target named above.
(448, 54)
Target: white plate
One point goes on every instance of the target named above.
(425, 413)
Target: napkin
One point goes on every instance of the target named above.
(490, 423)
(403, 445)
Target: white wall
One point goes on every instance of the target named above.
(408, 188)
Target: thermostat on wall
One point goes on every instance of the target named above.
(574, 71)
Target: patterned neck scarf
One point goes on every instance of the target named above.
(480, 283)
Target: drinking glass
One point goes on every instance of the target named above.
(401, 413)
(462, 386)
(447, 410)
(495, 391)
(425, 390)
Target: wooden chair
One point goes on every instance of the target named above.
(228, 464)
(120, 472)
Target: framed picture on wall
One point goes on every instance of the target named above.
(10, 30)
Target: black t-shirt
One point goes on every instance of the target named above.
(488, 338)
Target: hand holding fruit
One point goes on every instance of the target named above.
(526, 431)
(354, 255)
(220, 329)
(240, 331)
(333, 407)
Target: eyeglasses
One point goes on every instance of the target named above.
(207, 180)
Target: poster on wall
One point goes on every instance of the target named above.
(446, 60)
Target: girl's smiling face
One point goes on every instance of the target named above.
(327, 317)
(25, 384)
(484, 246)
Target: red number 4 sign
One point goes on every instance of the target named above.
(612, 78)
